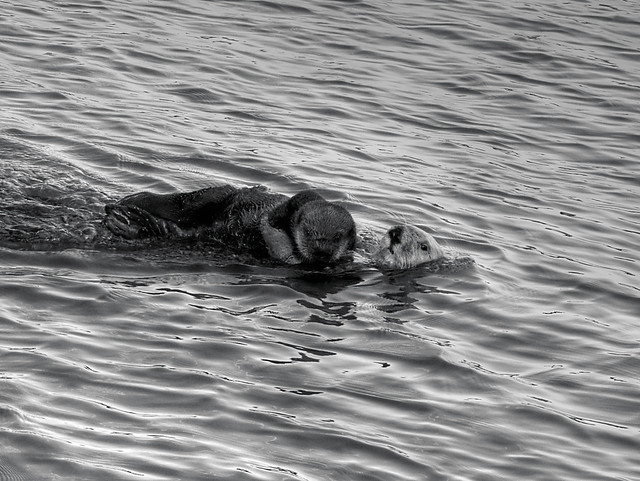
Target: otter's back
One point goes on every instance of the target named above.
(241, 218)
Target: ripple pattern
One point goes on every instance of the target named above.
(508, 130)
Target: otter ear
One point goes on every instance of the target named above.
(282, 215)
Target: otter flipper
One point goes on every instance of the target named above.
(132, 222)
(187, 209)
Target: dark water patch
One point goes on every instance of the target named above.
(195, 94)
(33, 95)
(285, 7)
(152, 58)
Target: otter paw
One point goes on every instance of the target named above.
(278, 243)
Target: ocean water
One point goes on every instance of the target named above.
(508, 130)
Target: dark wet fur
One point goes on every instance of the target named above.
(227, 214)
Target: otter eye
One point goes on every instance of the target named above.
(424, 247)
(337, 237)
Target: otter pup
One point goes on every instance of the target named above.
(303, 229)
(406, 246)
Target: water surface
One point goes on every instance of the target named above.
(507, 130)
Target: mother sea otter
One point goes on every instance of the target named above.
(303, 229)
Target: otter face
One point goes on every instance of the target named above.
(323, 233)
(406, 246)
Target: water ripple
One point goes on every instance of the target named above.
(509, 131)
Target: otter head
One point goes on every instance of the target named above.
(323, 233)
(406, 246)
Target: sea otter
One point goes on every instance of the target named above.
(406, 246)
(303, 229)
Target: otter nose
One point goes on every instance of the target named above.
(322, 254)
